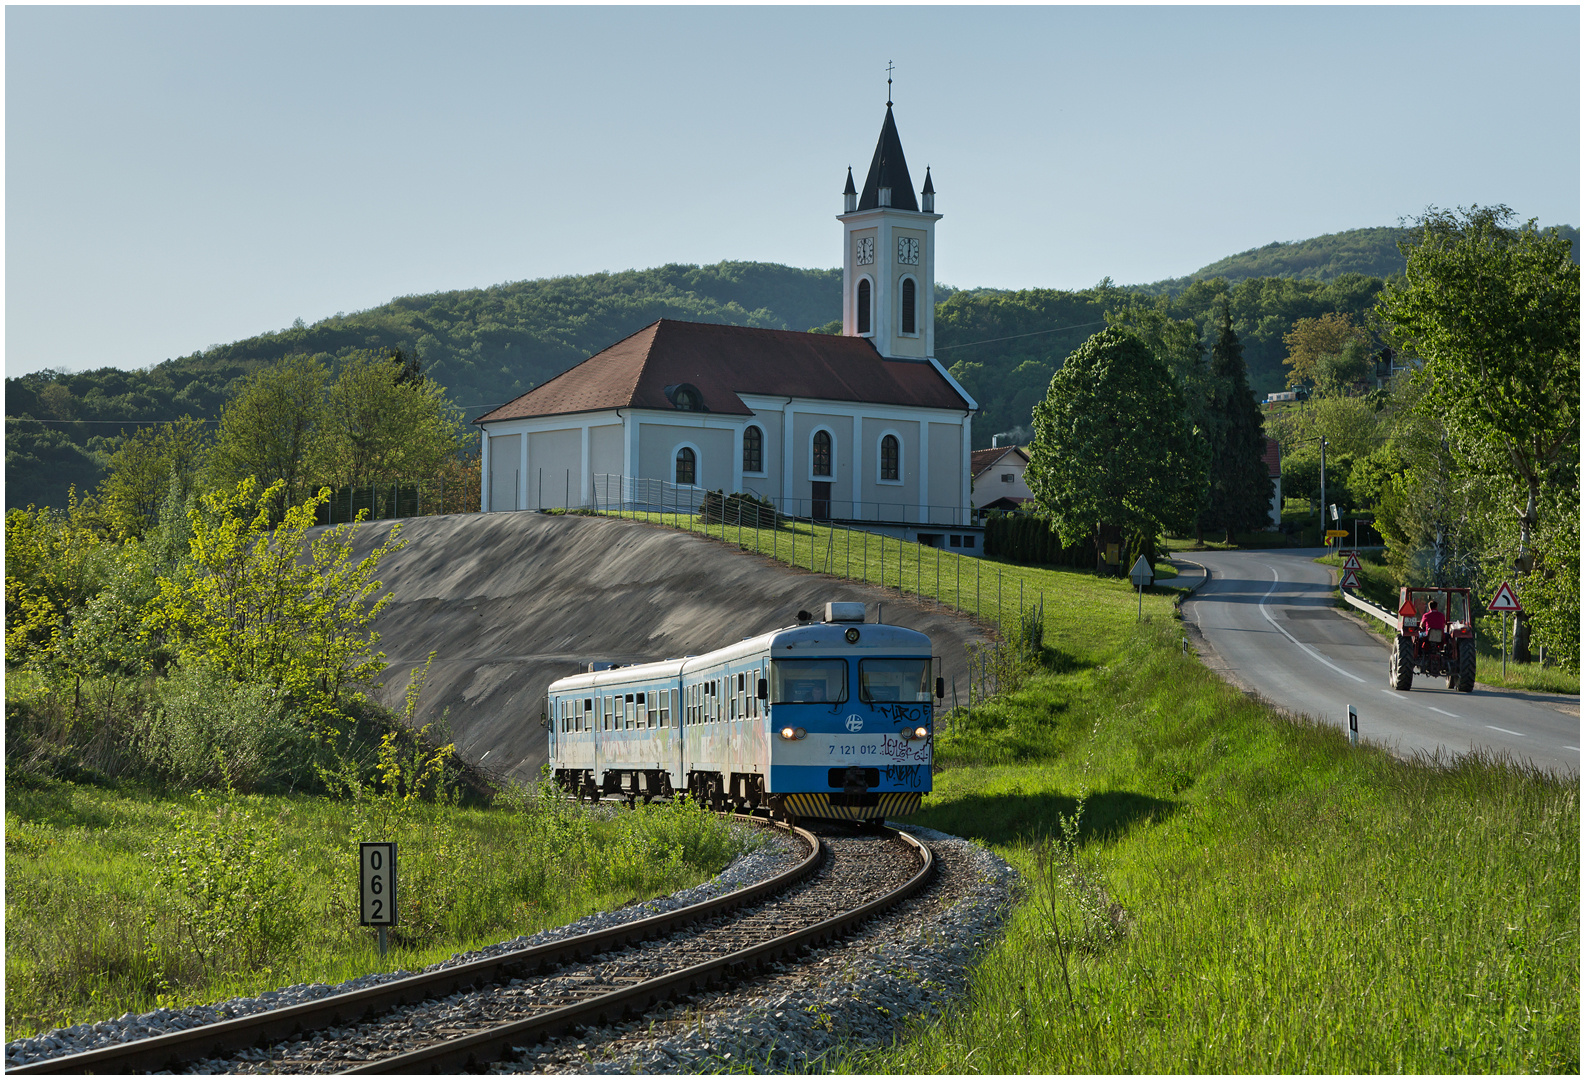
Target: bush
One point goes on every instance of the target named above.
(205, 729)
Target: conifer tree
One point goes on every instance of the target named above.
(1240, 496)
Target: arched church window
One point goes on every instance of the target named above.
(822, 448)
(686, 463)
(889, 458)
(864, 307)
(753, 449)
(909, 326)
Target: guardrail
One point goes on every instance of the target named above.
(1371, 609)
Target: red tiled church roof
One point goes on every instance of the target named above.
(725, 361)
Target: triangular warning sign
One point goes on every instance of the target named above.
(1352, 562)
(1407, 608)
(1504, 600)
(1350, 580)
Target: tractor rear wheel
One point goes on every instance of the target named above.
(1466, 666)
(1400, 664)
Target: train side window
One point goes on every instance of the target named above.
(654, 709)
(627, 713)
(586, 723)
(667, 707)
(610, 712)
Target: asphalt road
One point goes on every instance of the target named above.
(1269, 618)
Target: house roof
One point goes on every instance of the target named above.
(888, 169)
(981, 460)
(723, 362)
(1273, 458)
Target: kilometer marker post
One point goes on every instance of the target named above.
(377, 887)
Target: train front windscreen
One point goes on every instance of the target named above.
(872, 713)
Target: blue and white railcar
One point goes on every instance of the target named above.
(820, 720)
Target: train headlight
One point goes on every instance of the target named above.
(852, 635)
(921, 733)
(793, 733)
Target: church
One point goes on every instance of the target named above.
(864, 428)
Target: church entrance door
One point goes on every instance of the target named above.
(821, 510)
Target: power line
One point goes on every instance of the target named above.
(36, 420)
(1014, 337)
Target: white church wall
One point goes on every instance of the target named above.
(945, 470)
(555, 468)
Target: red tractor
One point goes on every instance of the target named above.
(1435, 651)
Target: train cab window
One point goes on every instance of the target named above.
(803, 682)
(894, 680)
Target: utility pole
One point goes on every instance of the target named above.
(1323, 489)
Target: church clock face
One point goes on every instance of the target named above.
(908, 250)
(864, 250)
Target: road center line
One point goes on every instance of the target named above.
(1573, 748)
(1275, 581)
(1505, 731)
(1444, 712)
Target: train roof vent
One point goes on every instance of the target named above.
(840, 612)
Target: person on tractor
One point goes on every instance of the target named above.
(1432, 620)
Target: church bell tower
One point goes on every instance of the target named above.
(889, 253)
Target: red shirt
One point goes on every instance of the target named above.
(1433, 620)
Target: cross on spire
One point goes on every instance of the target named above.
(888, 84)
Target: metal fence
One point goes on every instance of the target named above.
(613, 492)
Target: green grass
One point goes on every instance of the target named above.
(1243, 893)
(1087, 617)
(260, 891)
(1380, 587)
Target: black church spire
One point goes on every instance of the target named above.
(888, 170)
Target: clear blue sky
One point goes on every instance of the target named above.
(182, 176)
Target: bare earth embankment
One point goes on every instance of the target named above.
(509, 602)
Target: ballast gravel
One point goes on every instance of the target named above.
(858, 992)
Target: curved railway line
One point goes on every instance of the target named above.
(472, 1014)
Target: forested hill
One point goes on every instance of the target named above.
(488, 345)
(1373, 252)
(484, 345)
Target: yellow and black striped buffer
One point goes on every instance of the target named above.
(887, 804)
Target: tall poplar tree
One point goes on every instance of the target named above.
(1240, 495)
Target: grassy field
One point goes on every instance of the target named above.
(1381, 589)
(1212, 888)
(1215, 888)
(120, 900)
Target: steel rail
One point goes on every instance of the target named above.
(475, 1051)
(273, 1025)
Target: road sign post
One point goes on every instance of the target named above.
(377, 887)
(1353, 727)
(1505, 601)
(1140, 575)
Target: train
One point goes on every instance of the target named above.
(825, 719)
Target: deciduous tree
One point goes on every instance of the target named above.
(143, 469)
(1494, 314)
(271, 427)
(1112, 445)
(267, 605)
(1329, 353)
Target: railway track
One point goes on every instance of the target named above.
(466, 1016)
